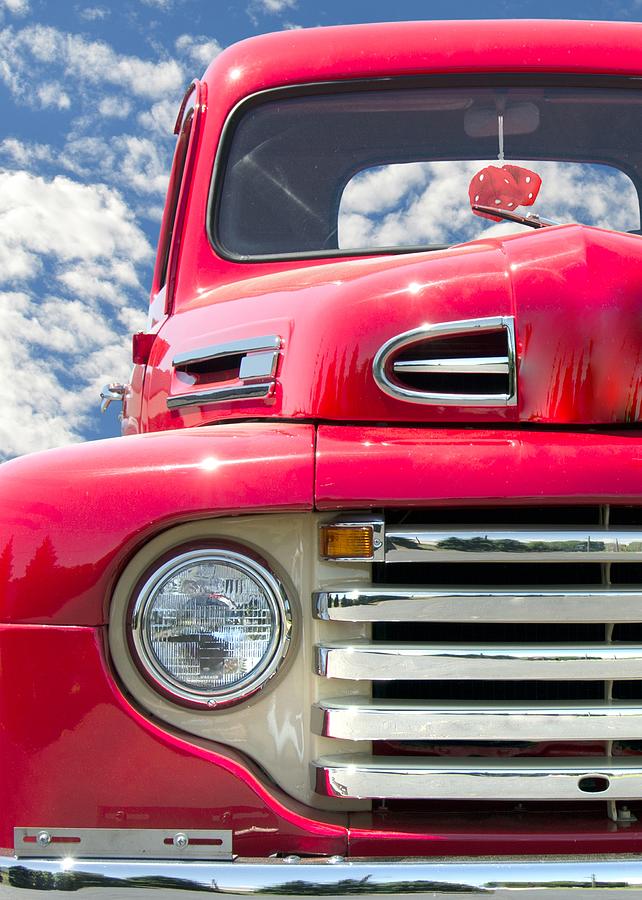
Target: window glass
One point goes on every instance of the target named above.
(411, 204)
(363, 170)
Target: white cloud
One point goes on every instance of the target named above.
(88, 62)
(64, 220)
(158, 4)
(274, 6)
(141, 164)
(52, 95)
(198, 48)
(160, 118)
(93, 13)
(114, 107)
(26, 155)
(17, 7)
(131, 162)
(70, 341)
(269, 7)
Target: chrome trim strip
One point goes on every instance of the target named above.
(365, 719)
(447, 329)
(222, 395)
(409, 544)
(358, 776)
(364, 661)
(502, 878)
(387, 603)
(122, 843)
(231, 348)
(474, 365)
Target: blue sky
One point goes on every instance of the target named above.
(88, 94)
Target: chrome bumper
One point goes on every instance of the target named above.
(559, 877)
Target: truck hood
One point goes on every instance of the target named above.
(571, 294)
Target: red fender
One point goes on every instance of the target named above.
(70, 518)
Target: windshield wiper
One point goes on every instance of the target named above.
(531, 220)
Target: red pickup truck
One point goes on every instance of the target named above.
(355, 604)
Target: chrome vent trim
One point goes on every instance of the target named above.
(479, 365)
(231, 348)
(259, 391)
(475, 366)
(255, 360)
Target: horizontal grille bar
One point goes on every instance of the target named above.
(359, 776)
(361, 660)
(388, 603)
(364, 719)
(411, 544)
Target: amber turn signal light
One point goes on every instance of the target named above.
(347, 541)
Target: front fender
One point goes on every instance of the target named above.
(71, 518)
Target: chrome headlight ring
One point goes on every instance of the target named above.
(218, 627)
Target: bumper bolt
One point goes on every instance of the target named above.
(292, 859)
(43, 838)
(180, 840)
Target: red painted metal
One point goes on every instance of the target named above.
(573, 290)
(363, 467)
(70, 518)
(489, 831)
(76, 754)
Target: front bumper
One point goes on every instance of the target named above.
(334, 877)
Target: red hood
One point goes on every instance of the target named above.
(575, 293)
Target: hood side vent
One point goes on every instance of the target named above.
(465, 363)
(238, 370)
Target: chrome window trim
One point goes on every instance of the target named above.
(474, 365)
(253, 681)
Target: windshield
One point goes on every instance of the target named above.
(371, 170)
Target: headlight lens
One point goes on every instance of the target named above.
(210, 627)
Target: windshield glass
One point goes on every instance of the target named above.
(370, 170)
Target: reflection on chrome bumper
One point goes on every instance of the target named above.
(334, 877)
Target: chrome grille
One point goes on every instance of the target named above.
(490, 642)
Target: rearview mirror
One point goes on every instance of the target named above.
(519, 118)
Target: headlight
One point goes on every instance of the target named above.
(210, 627)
